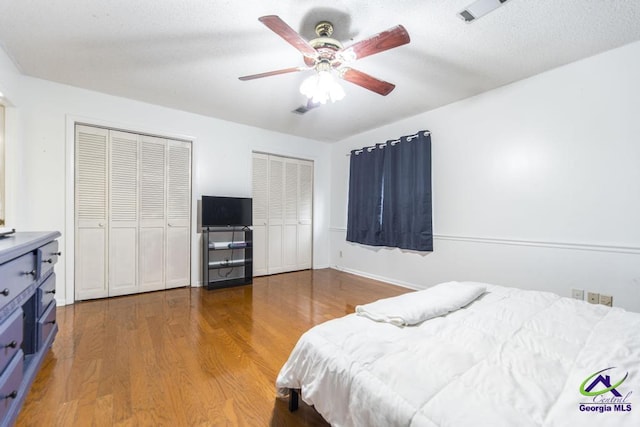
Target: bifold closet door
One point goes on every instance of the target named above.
(260, 211)
(152, 213)
(91, 189)
(275, 222)
(282, 214)
(123, 213)
(298, 211)
(290, 216)
(133, 213)
(305, 214)
(178, 214)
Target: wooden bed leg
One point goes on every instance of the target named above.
(293, 399)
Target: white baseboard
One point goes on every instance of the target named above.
(379, 278)
(62, 302)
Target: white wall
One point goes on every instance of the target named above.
(9, 86)
(9, 75)
(45, 113)
(535, 185)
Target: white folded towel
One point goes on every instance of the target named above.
(415, 307)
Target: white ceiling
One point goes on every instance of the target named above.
(189, 54)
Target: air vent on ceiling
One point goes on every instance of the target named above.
(479, 8)
(300, 110)
(304, 108)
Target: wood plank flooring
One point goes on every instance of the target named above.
(189, 356)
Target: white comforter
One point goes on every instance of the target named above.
(510, 358)
(416, 307)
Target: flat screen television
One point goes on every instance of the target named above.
(226, 211)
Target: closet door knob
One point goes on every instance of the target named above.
(50, 260)
(51, 292)
(12, 395)
(5, 292)
(12, 344)
(57, 253)
(53, 322)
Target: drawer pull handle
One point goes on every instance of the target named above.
(5, 292)
(53, 322)
(12, 344)
(50, 292)
(30, 273)
(50, 260)
(57, 253)
(12, 395)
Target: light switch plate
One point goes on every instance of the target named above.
(593, 297)
(577, 294)
(606, 300)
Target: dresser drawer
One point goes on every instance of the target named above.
(10, 383)
(11, 332)
(45, 294)
(15, 276)
(46, 325)
(47, 257)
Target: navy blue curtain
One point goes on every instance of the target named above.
(365, 206)
(390, 194)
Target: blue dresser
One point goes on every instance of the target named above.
(27, 313)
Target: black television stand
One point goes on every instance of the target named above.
(227, 256)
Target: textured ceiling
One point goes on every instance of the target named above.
(189, 54)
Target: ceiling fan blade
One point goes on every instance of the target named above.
(281, 28)
(273, 73)
(393, 37)
(366, 81)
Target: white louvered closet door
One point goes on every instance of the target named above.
(260, 212)
(282, 214)
(276, 216)
(123, 213)
(290, 226)
(133, 210)
(305, 214)
(178, 213)
(151, 251)
(91, 212)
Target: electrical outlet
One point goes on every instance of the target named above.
(606, 300)
(340, 254)
(593, 297)
(577, 294)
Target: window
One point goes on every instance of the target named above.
(390, 194)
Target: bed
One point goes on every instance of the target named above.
(507, 357)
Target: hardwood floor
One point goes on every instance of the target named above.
(189, 356)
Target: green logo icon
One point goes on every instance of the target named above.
(605, 380)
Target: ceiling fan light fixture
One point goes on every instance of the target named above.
(327, 56)
(322, 87)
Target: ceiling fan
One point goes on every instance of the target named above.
(324, 54)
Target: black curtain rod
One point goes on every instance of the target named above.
(384, 144)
